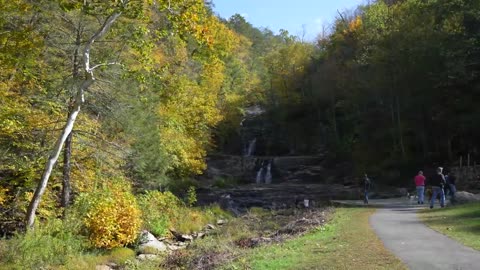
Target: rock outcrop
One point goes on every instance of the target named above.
(462, 197)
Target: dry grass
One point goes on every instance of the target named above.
(347, 242)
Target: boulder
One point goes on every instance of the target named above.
(466, 197)
(103, 267)
(186, 237)
(221, 222)
(210, 227)
(150, 245)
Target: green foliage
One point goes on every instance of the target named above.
(163, 211)
(372, 78)
(224, 182)
(214, 211)
(51, 243)
(159, 210)
(189, 220)
(191, 196)
(180, 186)
(121, 255)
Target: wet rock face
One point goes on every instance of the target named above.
(306, 168)
(277, 196)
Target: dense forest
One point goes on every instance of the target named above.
(105, 103)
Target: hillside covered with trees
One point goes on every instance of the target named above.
(108, 106)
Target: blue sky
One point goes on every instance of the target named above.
(287, 14)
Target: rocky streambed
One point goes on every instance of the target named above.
(286, 195)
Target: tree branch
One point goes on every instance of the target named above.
(101, 32)
(104, 64)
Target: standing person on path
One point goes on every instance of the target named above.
(437, 181)
(453, 188)
(366, 187)
(446, 188)
(420, 184)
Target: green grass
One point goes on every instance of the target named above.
(461, 222)
(347, 242)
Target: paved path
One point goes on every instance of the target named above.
(418, 246)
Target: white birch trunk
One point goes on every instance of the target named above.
(78, 102)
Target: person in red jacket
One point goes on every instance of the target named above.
(420, 184)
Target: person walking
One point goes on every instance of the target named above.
(437, 181)
(451, 183)
(420, 184)
(366, 187)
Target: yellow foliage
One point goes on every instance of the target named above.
(3, 196)
(113, 219)
(48, 207)
(355, 24)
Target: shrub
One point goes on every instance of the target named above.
(163, 211)
(49, 244)
(112, 217)
(191, 196)
(121, 255)
(214, 211)
(180, 186)
(159, 210)
(225, 182)
(189, 220)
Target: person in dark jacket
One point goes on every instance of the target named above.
(451, 184)
(437, 181)
(366, 187)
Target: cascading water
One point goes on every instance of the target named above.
(259, 178)
(251, 147)
(264, 174)
(268, 175)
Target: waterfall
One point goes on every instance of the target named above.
(251, 147)
(259, 179)
(264, 174)
(268, 175)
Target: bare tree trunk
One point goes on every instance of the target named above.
(67, 152)
(400, 129)
(392, 116)
(424, 133)
(66, 187)
(78, 102)
(334, 117)
(449, 148)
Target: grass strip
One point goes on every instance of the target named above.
(347, 242)
(460, 222)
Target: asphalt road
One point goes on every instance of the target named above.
(418, 246)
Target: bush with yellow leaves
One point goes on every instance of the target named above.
(3, 195)
(111, 216)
